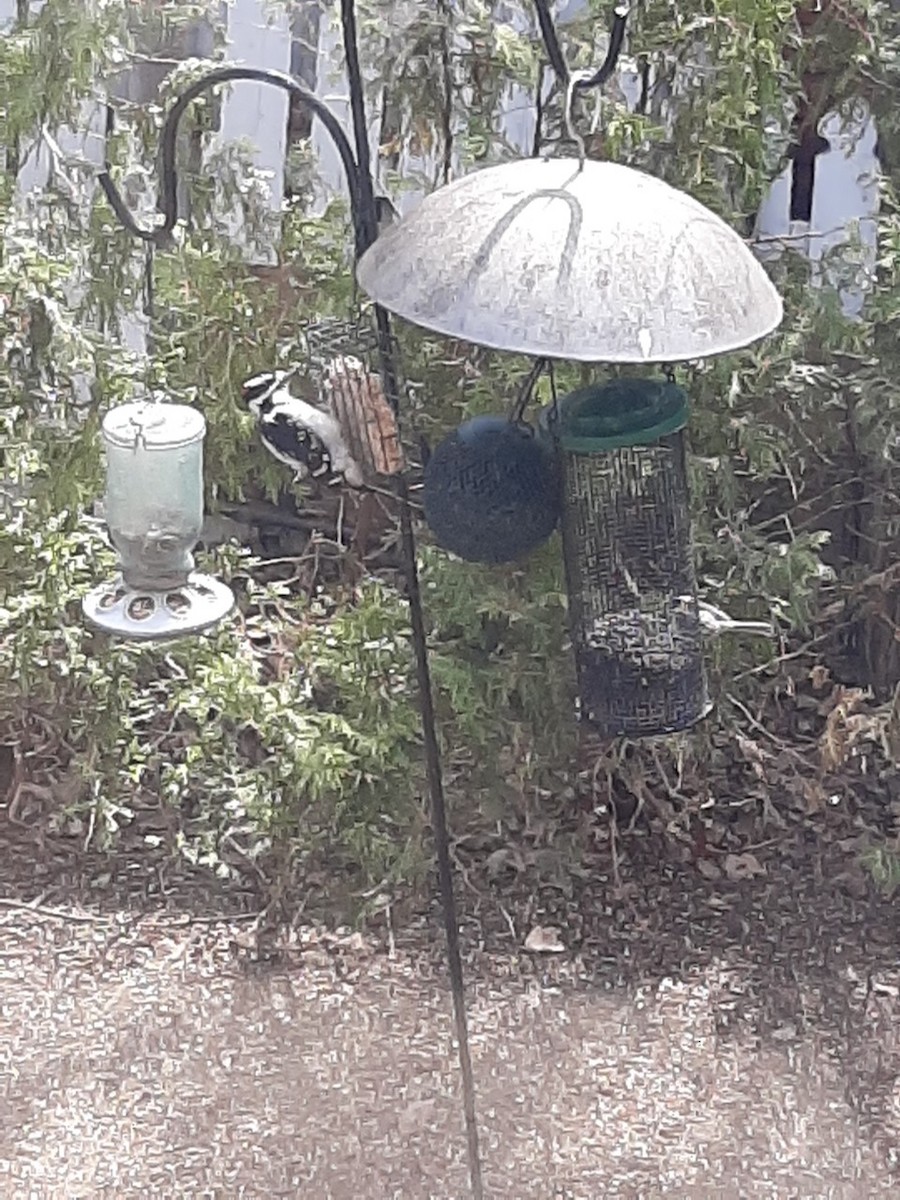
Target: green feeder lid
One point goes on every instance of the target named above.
(624, 412)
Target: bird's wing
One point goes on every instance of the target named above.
(327, 429)
(291, 443)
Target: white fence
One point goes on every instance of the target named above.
(263, 33)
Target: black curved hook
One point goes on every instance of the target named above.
(557, 59)
(551, 42)
(168, 181)
(616, 38)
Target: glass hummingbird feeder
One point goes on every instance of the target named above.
(595, 262)
(154, 514)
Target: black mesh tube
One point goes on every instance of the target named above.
(630, 577)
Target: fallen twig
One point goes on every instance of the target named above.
(58, 914)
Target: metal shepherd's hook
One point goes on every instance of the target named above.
(160, 235)
(365, 220)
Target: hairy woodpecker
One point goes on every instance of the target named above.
(302, 435)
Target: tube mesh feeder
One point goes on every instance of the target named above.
(633, 611)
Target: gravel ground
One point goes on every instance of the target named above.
(694, 1039)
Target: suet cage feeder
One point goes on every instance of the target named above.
(341, 363)
(154, 514)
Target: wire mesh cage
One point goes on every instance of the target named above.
(627, 545)
(341, 361)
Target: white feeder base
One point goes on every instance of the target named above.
(145, 615)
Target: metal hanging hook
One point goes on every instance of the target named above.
(580, 81)
(569, 114)
(616, 39)
(526, 390)
(160, 235)
(365, 219)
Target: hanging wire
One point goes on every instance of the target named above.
(526, 390)
(580, 81)
(149, 282)
(553, 416)
(364, 211)
(149, 303)
(537, 140)
(569, 116)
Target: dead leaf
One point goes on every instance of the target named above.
(544, 939)
(854, 882)
(708, 869)
(416, 1116)
(753, 754)
(743, 866)
(862, 726)
(785, 1033)
(883, 987)
(843, 728)
(813, 796)
(820, 676)
(891, 734)
(498, 860)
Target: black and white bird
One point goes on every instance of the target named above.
(304, 436)
(350, 435)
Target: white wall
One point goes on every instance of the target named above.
(85, 143)
(257, 34)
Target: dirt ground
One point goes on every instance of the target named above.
(695, 1038)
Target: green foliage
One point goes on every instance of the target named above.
(500, 666)
(298, 723)
(884, 866)
(51, 61)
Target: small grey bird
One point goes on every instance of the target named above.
(715, 621)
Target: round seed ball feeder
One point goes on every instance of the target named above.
(633, 612)
(154, 513)
(593, 262)
(491, 491)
